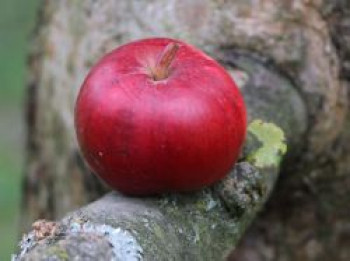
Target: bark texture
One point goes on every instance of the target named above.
(190, 227)
(203, 225)
(301, 43)
(308, 216)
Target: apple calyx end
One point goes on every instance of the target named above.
(162, 68)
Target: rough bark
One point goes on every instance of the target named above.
(308, 216)
(303, 41)
(197, 226)
(203, 225)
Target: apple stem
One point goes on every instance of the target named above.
(161, 69)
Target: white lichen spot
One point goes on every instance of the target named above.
(27, 243)
(211, 204)
(125, 246)
(145, 222)
(196, 237)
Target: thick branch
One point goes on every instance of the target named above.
(203, 225)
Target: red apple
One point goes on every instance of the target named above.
(158, 115)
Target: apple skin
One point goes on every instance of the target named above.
(144, 136)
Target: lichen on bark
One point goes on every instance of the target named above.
(168, 227)
(273, 144)
(296, 51)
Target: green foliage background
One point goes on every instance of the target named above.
(16, 22)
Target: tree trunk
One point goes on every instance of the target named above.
(305, 42)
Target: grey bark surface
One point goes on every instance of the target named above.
(296, 43)
(203, 225)
(196, 226)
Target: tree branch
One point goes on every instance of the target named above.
(203, 225)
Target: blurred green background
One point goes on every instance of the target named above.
(17, 19)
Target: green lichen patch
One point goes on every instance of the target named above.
(273, 143)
